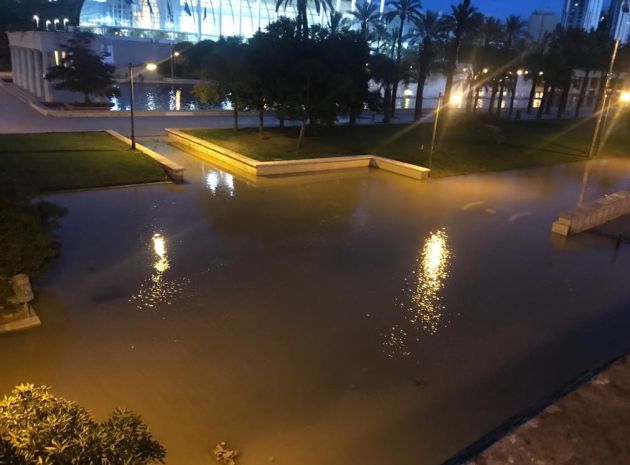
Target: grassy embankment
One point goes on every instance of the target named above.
(59, 161)
(461, 149)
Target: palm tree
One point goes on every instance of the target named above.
(337, 23)
(463, 20)
(431, 30)
(514, 30)
(302, 16)
(384, 71)
(366, 15)
(404, 10)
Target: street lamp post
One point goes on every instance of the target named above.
(65, 23)
(150, 67)
(55, 22)
(36, 19)
(173, 56)
(514, 84)
(598, 125)
(48, 23)
(435, 128)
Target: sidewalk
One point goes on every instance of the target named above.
(588, 426)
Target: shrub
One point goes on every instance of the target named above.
(37, 427)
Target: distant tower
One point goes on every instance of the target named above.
(582, 14)
(619, 20)
(540, 23)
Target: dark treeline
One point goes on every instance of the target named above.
(327, 72)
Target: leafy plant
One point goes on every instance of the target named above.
(37, 427)
(82, 69)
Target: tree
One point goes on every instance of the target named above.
(463, 20)
(38, 428)
(431, 30)
(404, 11)
(515, 34)
(366, 15)
(385, 72)
(337, 24)
(302, 10)
(228, 75)
(83, 70)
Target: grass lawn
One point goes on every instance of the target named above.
(460, 150)
(56, 161)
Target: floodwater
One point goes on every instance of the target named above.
(153, 97)
(364, 319)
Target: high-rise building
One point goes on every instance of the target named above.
(540, 23)
(583, 14)
(619, 20)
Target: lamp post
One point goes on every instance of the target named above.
(173, 56)
(435, 128)
(150, 67)
(65, 23)
(598, 125)
(47, 23)
(519, 72)
(55, 22)
(36, 19)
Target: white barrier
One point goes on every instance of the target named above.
(593, 214)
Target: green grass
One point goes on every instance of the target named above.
(59, 161)
(525, 144)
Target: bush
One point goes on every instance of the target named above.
(39, 428)
(27, 238)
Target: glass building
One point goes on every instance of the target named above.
(191, 20)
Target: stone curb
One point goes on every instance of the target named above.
(291, 167)
(173, 170)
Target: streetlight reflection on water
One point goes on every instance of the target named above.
(159, 290)
(421, 303)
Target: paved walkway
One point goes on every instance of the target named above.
(591, 425)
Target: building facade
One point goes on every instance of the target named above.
(619, 20)
(190, 20)
(582, 14)
(540, 23)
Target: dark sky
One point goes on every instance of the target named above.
(500, 8)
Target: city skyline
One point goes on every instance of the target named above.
(501, 8)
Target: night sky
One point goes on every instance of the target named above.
(500, 8)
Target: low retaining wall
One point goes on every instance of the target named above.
(173, 170)
(289, 167)
(593, 214)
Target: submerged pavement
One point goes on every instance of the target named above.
(360, 318)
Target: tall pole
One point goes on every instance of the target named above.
(133, 133)
(598, 125)
(435, 128)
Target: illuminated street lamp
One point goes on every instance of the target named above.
(519, 72)
(173, 56)
(149, 67)
(48, 23)
(36, 19)
(625, 97)
(65, 23)
(55, 22)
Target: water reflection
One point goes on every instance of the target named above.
(175, 100)
(158, 289)
(218, 180)
(421, 302)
